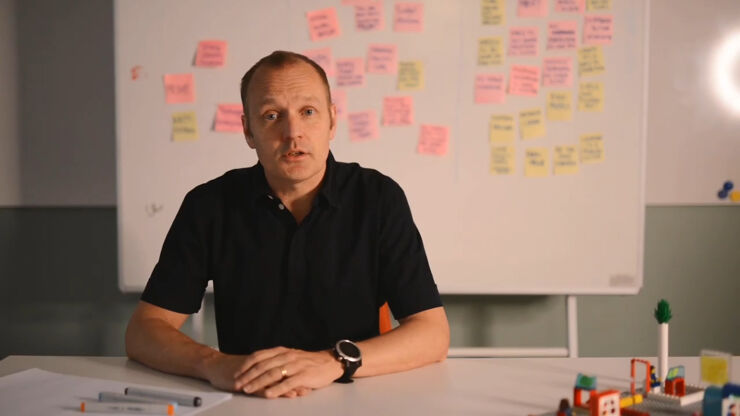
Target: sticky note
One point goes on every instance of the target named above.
(398, 111)
(559, 106)
(502, 160)
(595, 5)
(491, 51)
(358, 2)
(565, 160)
(592, 148)
(557, 72)
(524, 80)
(339, 98)
(523, 41)
(408, 17)
(323, 24)
(536, 162)
(211, 53)
(369, 16)
(591, 96)
(598, 30)
(323, 57)
(591, 61)
(228, 118)
(179, 88)
(184, 126)
(410, 75)
(531, 8)
(715, 367)
(433, 140)
(531, 124)
(501, 128)
(570, 6)
(363, 126)
(490, 88)
(350, 72)
(562, 35)
(493, 12)
(382, 59)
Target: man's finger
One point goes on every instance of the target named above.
(283, 364)
(279, 389)
(268, 378)
(258, 357)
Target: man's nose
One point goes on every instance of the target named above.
(292, 127)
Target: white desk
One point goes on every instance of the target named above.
(515, 386)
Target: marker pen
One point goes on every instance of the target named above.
(182, 399)
(135, 408)
(111, 396)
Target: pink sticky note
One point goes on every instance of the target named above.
(409, 17)
(211, 53)
(363, 126)
(323, 57)
(228, 118)
(369, 17)
(339, 97)
(524, 80)
(557, 72)
(523, 41)
(531, 8)
(398, 111)
(433, 140)
(382, 59)
(323, 24)
(350, 72)
(598, 30)
(179, 88)
(562, 35)
(570, 6)
(490, 88)
(359, 2)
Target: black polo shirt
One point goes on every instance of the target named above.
(280, 283)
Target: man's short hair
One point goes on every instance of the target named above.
(276, 60)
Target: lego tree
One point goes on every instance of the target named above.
(663, 315)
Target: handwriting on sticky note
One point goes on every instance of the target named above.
(323, 57)
(491, 51)
(595, 5)
(490, 88)
(524, 80)
(363, 126)
(382, 59)
(591, 61)
(502, 160)
(559, 106)
(557, 72)
(408, 17)
(410, 75)
(531, 8)
(398, 111)
(323, 24)
(211, 53)
(531, 124)
(598, 30)
(369, 16)
(339, 98)
(493, 12)
(565, 160)
(562, 35)
(179, 88)
(591, 96)
(523, 41)
(592, 148)
(570, 6)
(536, 162)
(501, 128)
(350, 72)
(184, 126)
(433, 140)
(228, 118)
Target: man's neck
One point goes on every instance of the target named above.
(298, 197)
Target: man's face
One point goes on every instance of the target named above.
(290, 123)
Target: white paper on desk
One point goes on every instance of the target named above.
(37, 392)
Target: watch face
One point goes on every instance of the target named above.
(349, 349)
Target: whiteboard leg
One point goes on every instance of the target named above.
(571, 310)
(197, 322)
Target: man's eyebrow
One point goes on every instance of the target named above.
(268, 100)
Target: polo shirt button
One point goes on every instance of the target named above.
(281, 206)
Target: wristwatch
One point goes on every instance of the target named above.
(348, 353)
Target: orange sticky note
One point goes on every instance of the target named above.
(179, 88)
(339, 98)
(523, 41)
(557, 72)
(323, 57)
(211, 53)
(228, 118)
(532, 8)
(562, 35)
(382, 59)
(323, 24)
(598, 30)
(490, 88)
(363, 126)
(350, 72)
(570, 6)
(408, 17)
(433, 140)
(524, 80)
(398, 111)
(369, 16)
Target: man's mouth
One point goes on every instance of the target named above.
(295, 154)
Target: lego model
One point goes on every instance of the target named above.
(663, 316)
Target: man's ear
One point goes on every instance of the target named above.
(247, 133)
(332, 120)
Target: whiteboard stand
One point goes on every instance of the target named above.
(571, 312)
(196, 320)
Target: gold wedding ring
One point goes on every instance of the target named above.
(284, 372)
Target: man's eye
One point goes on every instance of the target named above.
(310, 111)
(271, 116)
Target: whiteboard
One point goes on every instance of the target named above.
(484, 233)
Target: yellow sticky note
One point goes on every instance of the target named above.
(591, 61)
(491, 51)
(559, 106)
(714, 370)
(591, 96)
(531, 124)
(592, 148)
(735, 196)
(593, 5)
(536, 162)
(493, 12)
(502, 160)
(410, 75)
(184, 126)
(501, 128)
(565, 160)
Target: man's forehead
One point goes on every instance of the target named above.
(303, 82)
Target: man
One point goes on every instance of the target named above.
(301, 249)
